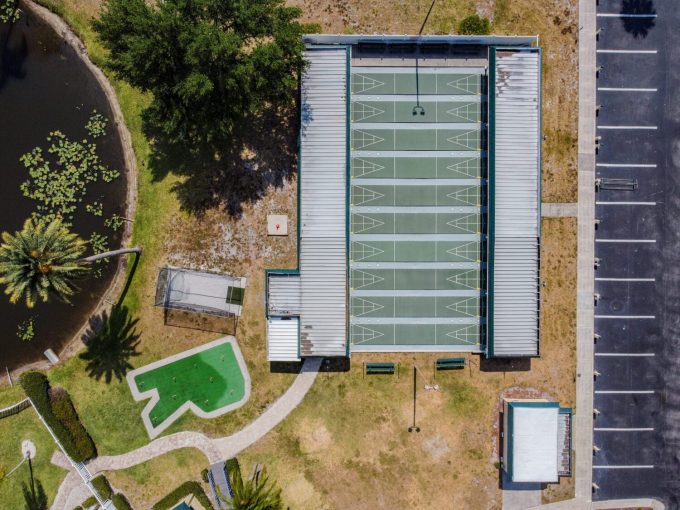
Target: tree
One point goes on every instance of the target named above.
(474, 25)
(256, 493)
(210, 64)
(112, 341)
(39, 260)
(43, 259)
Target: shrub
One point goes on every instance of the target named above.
(89, 502)
(233, 466)
(79, 447)
(182, 491)
(204, 475)
(63, 409)
(102, 486)
(474, 25)
(121, 502)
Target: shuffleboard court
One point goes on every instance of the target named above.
(416, 209)
(210, 380)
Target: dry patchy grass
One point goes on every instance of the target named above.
(347, 445)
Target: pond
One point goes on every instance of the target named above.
(44, 87)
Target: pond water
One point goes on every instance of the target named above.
(44, 87)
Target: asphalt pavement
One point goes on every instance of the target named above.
(636, 431)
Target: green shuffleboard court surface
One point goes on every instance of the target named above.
(417, 205)
(210, 380)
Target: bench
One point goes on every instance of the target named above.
(449, 363)
(379, 368)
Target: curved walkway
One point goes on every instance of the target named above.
(215, 450)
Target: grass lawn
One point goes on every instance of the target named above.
(347, 444)
(13, 430)
(146, 483)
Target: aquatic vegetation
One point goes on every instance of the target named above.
(96, 208)
(96, 126)
(59, 177)
(115, 222)
(26, 329)
(9, 11)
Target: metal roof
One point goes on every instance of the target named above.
(514, 201)
(532, 437)
(283, 339)
(323, 206)
(283, 298)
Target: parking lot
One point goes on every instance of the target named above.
(637, 284)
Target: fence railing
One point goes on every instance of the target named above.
(78, 466)
(15, 409)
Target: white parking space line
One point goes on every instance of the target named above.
(626, 354)
(624, 392)
(625, 240)
(621, 429)
(625, 316)
(623, 15)
(625, 89)
(639, 466)
(626, 165)
(625, 203)
(628, 127)
(604, 279)
(640, 52)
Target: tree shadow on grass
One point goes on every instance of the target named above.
(641, 21)
(34, 496)
(110, 341)
(231, 173)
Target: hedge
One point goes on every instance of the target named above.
(121, 502)
(89, 502)
(102, 486)
(181, 492)
(57, 410)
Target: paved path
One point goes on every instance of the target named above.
(583, 422)
(216, 450)
(618, 504)
(556, 210)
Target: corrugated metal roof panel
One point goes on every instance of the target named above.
(284, 294)
(514, 183)
(323, 157)
(282, 339)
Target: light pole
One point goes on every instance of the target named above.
(418, 109)
(414, 427)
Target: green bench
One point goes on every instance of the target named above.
(449, 364)
(379, 368)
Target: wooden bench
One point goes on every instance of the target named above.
(379, 368)
(449, 364)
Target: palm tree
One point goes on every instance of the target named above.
(257, 493)
(43, 259)
(112, 342)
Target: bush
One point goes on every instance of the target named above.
(70, 432)
(89, 502)
(204, 475)
(102, 486)
(121, 502)
(474, 25)
(181, 492)
(63, 409)
(233, 466)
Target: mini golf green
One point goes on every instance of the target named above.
(211, 379)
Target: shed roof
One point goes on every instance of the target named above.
(534, 439)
